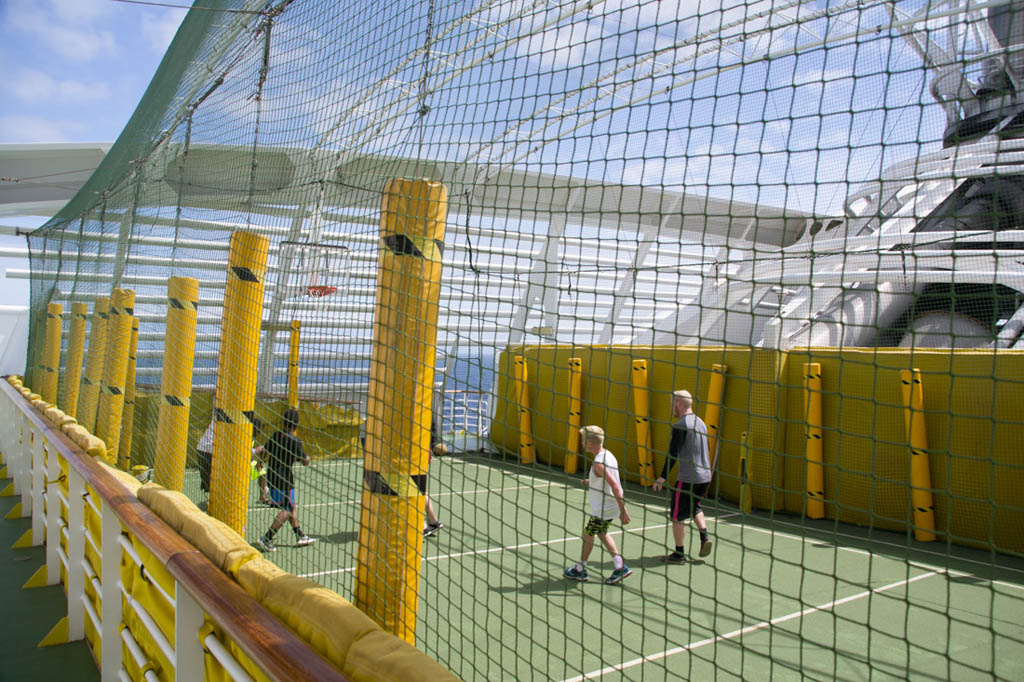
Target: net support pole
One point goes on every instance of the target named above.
(176, 382)
(713, 409)
(115, 371)
(76, 354)
(236, 379)
(575, 415)
(813, 450)
(49, 360)
(642, 421)
(89, 396)
(520, 374)
(399, 407)
(920, 470)
(124, 452)
(293, 364)
(36, 340)
(746, 501)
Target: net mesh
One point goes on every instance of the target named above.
(740, 194)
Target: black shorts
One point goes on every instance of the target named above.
(686, 499)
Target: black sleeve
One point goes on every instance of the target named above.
(674, 446)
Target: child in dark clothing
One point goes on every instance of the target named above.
(282, 451)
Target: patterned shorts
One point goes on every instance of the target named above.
(596, 526)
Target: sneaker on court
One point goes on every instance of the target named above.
(618, 575)
(705, 548)
(265, 545)
(572, 573)
(673, 558)
(305, 540)
(432, 529)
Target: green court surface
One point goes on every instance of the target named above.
(778, 597)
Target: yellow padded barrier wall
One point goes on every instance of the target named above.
(973, 423)
(750, 403)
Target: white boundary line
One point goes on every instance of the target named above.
(748, 629)
(491, 550)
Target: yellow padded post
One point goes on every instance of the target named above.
(176, 382)
(713, 410)
(746, 501)
(641, 420)
(815, 470)
(575, 414)
(115, 371)
(399, 407)
(49, 359)
(293, 365)
(89, 397)
(527, 455)
(124, 453)
(236, 379)
(920, 470)
(76, 354)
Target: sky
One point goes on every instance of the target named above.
(74, 70)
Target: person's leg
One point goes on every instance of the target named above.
(588, 547)
(578, 571)
(680, 513)
(205, 463)
(702, 527)
(431, 514)
(620, 569)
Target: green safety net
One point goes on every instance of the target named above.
(737, 199)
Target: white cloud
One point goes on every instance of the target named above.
(32, 85)
(27, 129)
(68, 35)
(159, 28)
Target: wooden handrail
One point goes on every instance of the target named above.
(266, 640)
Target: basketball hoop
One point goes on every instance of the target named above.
(320, 291)
(313, 271)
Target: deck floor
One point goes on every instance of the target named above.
(28, 615)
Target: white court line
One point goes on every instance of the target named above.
(432, 495)
(855, 550)
(491, 550)
(750, 628)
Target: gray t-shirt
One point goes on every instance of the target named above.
(690, 446)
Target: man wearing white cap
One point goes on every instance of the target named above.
(606, 502)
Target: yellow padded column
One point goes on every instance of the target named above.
(89, 397)
(115, 371)
(49, 359)
(527, 455)
(641, 420)
(575, 414)
(399, 407)
(293, 365)
(176, 382)
(920, 469)
(236, 379)
(124, 459)
(76, 354)
(713, 410)
(815, 470)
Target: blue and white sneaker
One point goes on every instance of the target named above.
(618, 575)
(573, 573)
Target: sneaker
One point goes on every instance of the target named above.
(572, 573)
(673, 558)
(265, 545)
(618, 575)
(705, 548)
(305, 540)
(432, 529)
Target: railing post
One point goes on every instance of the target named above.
(38, 485)
(53, 517)
(23, 481)
(110, 584)
(189, 661)
(76, 553)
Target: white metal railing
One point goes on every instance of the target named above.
(33, 450)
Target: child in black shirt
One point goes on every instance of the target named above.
(282, 451)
